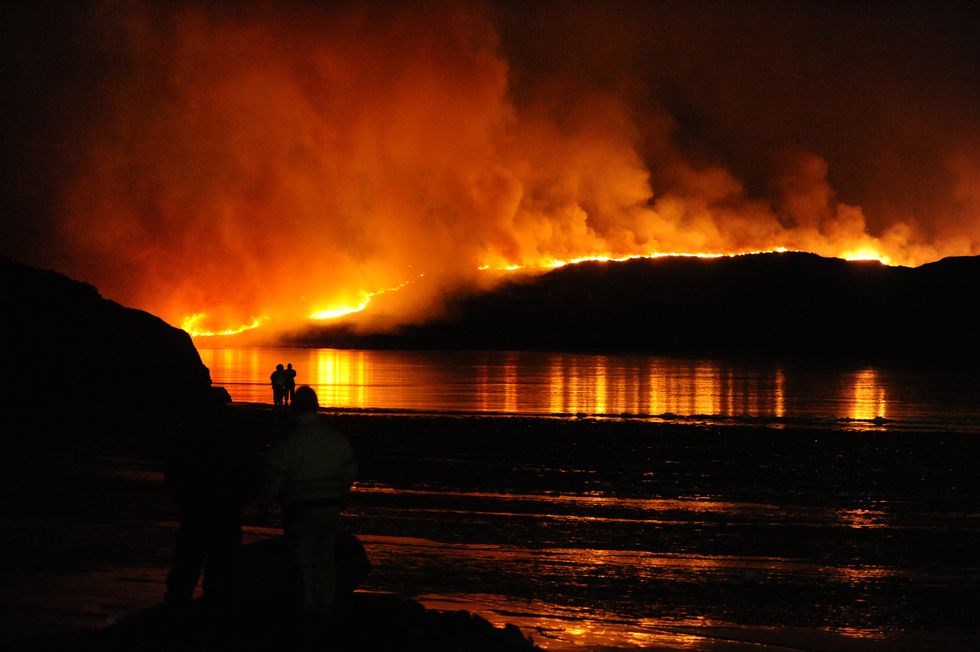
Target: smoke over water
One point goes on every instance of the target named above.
(268, 162)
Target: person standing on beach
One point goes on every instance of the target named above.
(210, 473)
(278, 379)
(290, 384)
(310, 473)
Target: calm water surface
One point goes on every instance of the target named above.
(536, 383)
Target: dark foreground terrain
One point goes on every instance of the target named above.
(587, 534)
(87, 535)
(369, 623)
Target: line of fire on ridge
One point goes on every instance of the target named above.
(192, 322)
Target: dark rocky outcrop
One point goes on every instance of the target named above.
(265, 620)
(761, 304)
(82, 370)
(371, 623)
(73, 357)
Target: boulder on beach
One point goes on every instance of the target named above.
(265, 619)
(76, 357)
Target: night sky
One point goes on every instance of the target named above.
(180, 155)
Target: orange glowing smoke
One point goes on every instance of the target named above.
(256, 168)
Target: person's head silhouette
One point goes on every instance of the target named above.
(305, 400)
(279, 367)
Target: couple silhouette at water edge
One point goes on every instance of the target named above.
(283, 384)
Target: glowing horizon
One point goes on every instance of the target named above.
(339, 310)
(220, 180)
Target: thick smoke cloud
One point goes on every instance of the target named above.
(272, 160)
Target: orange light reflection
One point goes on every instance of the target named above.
(556, 387)
(870, 399)
(861, 518)
(341, 377)
(600, 392)
(779, 410)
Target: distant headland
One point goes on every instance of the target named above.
(756, 304)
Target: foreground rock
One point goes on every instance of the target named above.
(73, 357)
(264, 621)
(371, 623)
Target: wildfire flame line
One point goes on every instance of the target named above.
(866, 253)
(191, 323)
(555, 263)
(341, 311)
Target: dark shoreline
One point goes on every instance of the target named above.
(99, 504)
(96, 508)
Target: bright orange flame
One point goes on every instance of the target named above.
(193, 325)
(342, 311)
(336, 312)
(867, 253)
(554, 263)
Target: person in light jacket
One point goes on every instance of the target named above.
(310, 474)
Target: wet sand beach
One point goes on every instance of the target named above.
(587, 534)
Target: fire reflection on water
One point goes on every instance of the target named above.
(567, 626)
(597, 398)
(570, 385)
(706, 390)
(618, 581)
(576, 630)
(779, 400)
(638, 505)
(870, 399)
(864, 517)
(509, 383)
(344, 376)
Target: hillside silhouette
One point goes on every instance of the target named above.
(758, 304)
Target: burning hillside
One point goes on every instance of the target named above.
(259, 166)
(780, 304)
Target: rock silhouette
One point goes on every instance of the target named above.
(79, 358)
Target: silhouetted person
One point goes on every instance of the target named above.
(290, 384)
(278, 379)
(310, 473)
(353, 565)
(211, 475)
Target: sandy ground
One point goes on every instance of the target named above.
(87, 538)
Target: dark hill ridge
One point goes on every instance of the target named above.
(759, 304)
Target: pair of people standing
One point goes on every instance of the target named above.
(283, 384)
(309, 474)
